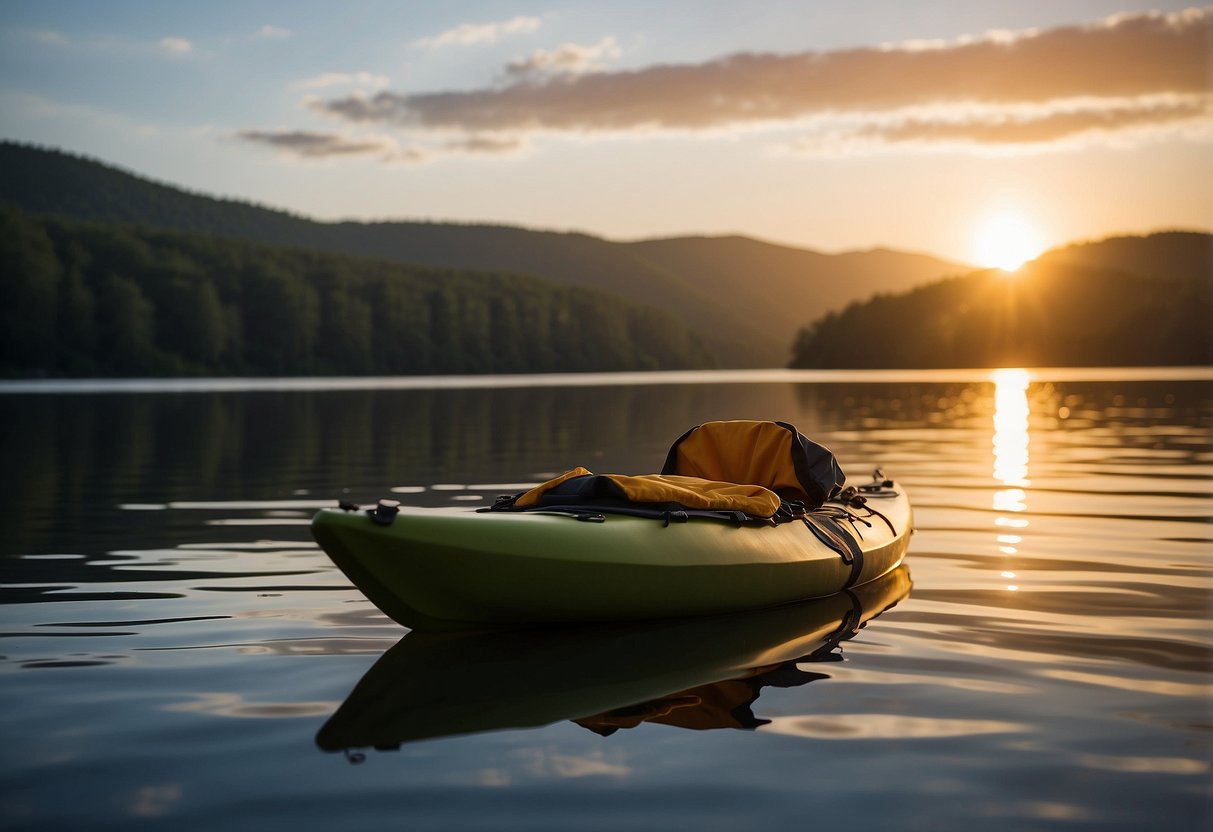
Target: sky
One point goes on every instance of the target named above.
(978, 131)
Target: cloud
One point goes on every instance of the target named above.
(269, 32)
(87, 120)
(547, 765)
(316, 145)
(47, 37)
(1060, 125)
(1121, 69)
(468, 34)
(155, 801)
(336, 79)
(569, 59)
(176, 46)
(1044, 127)
(491, 145)
(235, 705)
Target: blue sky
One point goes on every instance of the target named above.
(831, 125)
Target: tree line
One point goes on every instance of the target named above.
(1052, 313)
(99, 299)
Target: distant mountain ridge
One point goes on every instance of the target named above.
(746, 298)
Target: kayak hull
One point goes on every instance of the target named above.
(457, 568)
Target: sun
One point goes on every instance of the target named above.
(1006, 240)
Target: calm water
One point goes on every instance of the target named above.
(176, 650)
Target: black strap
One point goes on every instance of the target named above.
(847, 629)
(667, 513)
(832, 534)
(853, 497)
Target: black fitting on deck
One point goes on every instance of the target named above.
(385, 513)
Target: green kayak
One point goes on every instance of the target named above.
(450, 568)
(745, 514)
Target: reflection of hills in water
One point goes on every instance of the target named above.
(168, 447)
(246, 445)
(691, 673)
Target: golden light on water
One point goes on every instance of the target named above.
(1010, 499)
(1006, 240)
(1011, 431)
(1010, 445)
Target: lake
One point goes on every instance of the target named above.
(178, 654)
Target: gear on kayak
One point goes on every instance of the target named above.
(794, 530)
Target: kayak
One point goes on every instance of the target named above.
(458, 568)
(698, 673)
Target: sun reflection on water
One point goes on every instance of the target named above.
(1010, 499)
(1011, 427)
(1010, 442)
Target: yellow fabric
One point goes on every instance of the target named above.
(531, 497)
(714, 705)
(696, 492)
(691, 492)
(741, 451)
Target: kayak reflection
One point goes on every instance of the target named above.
(697, 673)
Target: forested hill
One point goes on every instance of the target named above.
(746, 298)
(1122, 301)
(89, 299)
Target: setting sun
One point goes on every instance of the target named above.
(1006, 241)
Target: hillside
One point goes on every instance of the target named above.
(1123, 301)
(1179, 254)
(778, 286)
(90, 299)
(744, 297)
